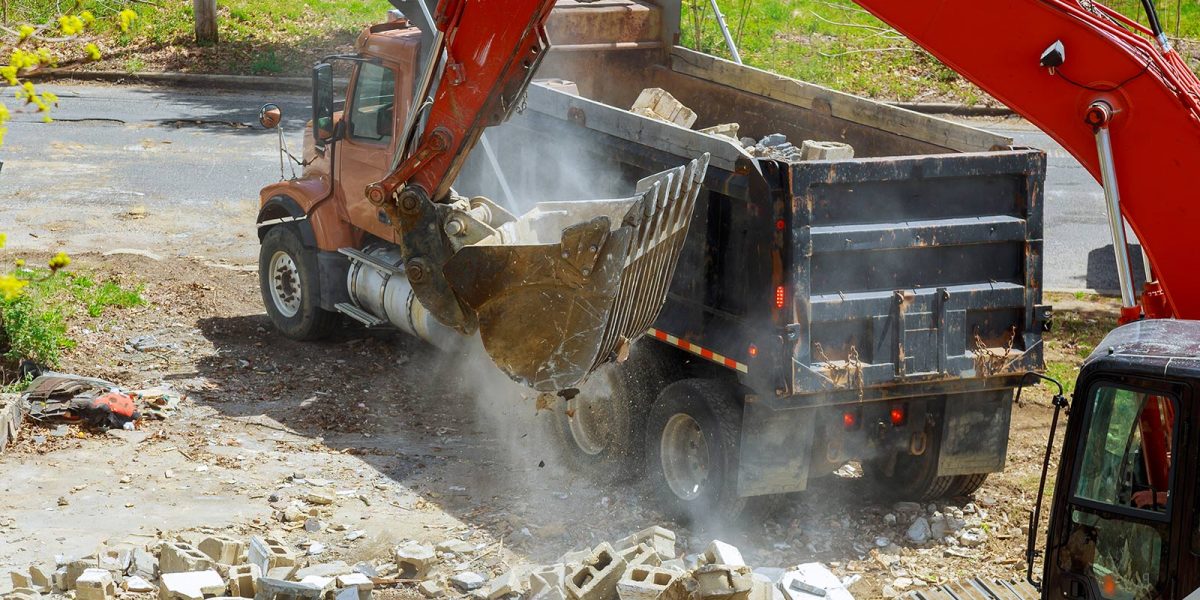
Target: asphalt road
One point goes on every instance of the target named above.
(178, 173)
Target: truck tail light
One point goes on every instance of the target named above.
(898, 415)
(753, 350)
(779, 296)
(850, 420)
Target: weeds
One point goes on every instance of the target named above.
(34, 325)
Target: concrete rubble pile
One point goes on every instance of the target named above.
(641, 566)
(658, 103)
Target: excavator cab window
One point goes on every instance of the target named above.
(1121, 495)
(374, 101)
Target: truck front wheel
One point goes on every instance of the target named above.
(692, 438)
(291, 288)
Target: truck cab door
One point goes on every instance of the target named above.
(364, 155)
(1123, 503)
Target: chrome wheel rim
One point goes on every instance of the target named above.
(285, 284)
(590, 417)
(685, 457)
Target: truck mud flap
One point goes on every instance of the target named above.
(557, 298)
(975, 433)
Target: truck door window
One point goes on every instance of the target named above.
(371, 109)
(1122, 493)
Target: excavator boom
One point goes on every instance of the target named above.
(1111, 91)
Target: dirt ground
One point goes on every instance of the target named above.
(418, 447)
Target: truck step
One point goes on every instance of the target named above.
(371, 261)
(977, 588)
(359, 314)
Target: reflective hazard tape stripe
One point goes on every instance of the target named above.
(698, 351)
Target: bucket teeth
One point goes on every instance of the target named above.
(551, 313)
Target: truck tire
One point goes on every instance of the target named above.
(692, 438)
(965, 485)
(599, 431)
(291, 286)
(914, 477)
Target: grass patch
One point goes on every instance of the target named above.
(35, 325)
(1081, 321)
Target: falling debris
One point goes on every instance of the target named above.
(658, 103)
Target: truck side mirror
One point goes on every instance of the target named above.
(322, 102)
(269, 116)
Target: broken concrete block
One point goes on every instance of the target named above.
(193, 585)
(320, 496)
(137, 584)
(223, 550)
(285, 573)
(597, 576)
(269, 553)
(508, 583)
(675, 564)
(814, 150)
(145, 564)
(467, 581)
(12, 413)
(798, 583)
(641, 554)
(277, 589)
(116, 559)
(414, 560)
(180, 557)
(349, 594)
(720, 553)
(659, 538)
(359, 582)
(23, 594)
(658, 103)
(66, 575)
(20, 580)
(243, 580)
(41, 578)
(729, 130)
(330, 569)
(431, 589)
(325, 583)
(644, 583)
(95, 584)
(723, 582)
(546, 578)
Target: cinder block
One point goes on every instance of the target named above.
(137, 584)
(325, 583)
(20, 580)
(359, 582)
(223, 550)
(720, 553)
(329, 569)
(243, 580)
(814, 150)
(659, 538)
(659, 104)
(414, 559)
(641, 554)
(723, 582)
(269, 553)
(179, 557)
(145, 564)
(41, 578)
(95, 584)
(547, 578)
(644, 583)
(596, 578)
(116, 559)
(194, 585)
(277, 589)
(67, 574)
(285, 573)
(508, 583)
(23, 593)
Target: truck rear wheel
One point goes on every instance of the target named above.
(914, 477)
(965, 485)
(291, 286)
(692, 438)
(599, 429)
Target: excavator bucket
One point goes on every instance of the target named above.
(569, 286)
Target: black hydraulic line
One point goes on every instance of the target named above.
(1060, 402)
(1152, 15)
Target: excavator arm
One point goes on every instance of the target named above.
(561, 290)
(1112, 92)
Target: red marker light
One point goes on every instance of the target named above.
(753, 350)
(779, 297)
(780, 225)
(849, 420)
(898, 416)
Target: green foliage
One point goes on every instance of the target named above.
(34, 324)
(267, 63)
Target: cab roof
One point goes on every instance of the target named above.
(1156, 347)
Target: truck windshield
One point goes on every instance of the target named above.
(1122, 492)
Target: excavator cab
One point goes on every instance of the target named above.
(1124, 522)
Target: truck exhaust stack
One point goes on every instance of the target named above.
(556, 297)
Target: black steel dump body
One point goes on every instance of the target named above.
(912, 271)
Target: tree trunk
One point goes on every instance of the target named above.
(206, 21)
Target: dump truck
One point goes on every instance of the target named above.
(880, 308)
